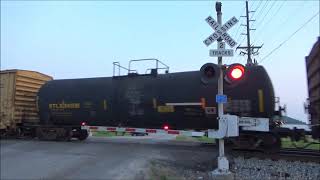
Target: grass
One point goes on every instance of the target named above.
(203, 139)
(181, 138)
(287, 143)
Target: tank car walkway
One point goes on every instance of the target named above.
(100, 158)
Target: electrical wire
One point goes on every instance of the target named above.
(258, 6)
(259, 14)
(301, 27)
(276, 31)
(262, 9)
(236, 35)
(261, 20)
(264, 25)
(251, 4)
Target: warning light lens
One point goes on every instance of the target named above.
(165, 127)
(83, 123)
(236, 73)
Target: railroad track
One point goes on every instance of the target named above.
(289, 154)
(300, 152)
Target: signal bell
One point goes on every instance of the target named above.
(234, 73)
(209, 73)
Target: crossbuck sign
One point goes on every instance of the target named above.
(221, 32)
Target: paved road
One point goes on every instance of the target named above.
(99, 158)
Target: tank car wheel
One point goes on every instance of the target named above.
(39, 134)
(83, 134)
(245, 141)
(66, 136)
(271, 143)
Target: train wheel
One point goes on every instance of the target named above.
(271, 143)
(40, 134)
(47, 133)
(245, 141)
(68, 135)
(65, 135)
(83, 134)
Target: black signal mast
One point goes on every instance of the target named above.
(249, 49)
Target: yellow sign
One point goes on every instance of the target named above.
(105, 104)
(65, 106)
(165, 109)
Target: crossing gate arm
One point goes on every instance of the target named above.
(228, 127)
(141, 130)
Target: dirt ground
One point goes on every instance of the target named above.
(106, 158)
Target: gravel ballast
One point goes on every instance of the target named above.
(254, 168)
(243, 169)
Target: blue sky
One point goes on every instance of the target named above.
(77, 39)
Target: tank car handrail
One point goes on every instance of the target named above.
(151, 59)
(117, 64)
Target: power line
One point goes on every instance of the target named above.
(237, 32)
(255, 11)
(258, 14)
(249, 49)
(236, 35)
(262, 9)
(261, 20)
(284, 23)
(258, 5)
(289, 37)
(264, 25)
(252, 4)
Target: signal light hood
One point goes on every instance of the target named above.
(209, 73)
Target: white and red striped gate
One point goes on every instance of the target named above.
(91, 129)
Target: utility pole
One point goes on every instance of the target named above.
(250, 50)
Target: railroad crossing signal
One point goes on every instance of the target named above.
(221, 32)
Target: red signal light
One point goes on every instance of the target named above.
(235, 72)
(165, 127)
(83, 123)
